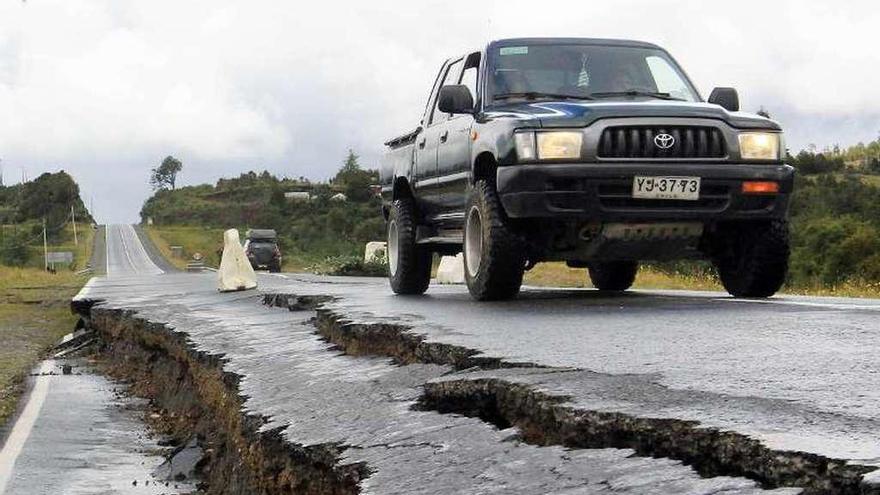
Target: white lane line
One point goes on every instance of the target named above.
(125, 250)
(145, 259)
(107, 248)
(23, 425)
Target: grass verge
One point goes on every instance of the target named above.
(34, 314)
(204, 241)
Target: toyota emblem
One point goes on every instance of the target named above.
(664, 141)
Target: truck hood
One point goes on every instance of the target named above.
(584, 113)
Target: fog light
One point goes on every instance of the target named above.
(760, 187)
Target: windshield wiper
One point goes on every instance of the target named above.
(636, 92)
(533, 95)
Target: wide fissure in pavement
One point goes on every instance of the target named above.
(198, 399)
(545, 419)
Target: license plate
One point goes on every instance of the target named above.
(686, 188)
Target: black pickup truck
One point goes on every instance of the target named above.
(599, 153)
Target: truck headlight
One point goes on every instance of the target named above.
(558, 145)
(760, 145)
(549, 145)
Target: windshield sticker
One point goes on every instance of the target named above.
(514, 50)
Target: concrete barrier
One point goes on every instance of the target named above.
(451, 270)
(375, 251)
(235, 271)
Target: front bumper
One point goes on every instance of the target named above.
(603, 191)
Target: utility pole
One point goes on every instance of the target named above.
(73, 219)
(45, 246)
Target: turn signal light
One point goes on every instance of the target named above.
(760, 187)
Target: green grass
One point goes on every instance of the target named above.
(34, 315)
(208, 240)
(557, 274)
(204, 241)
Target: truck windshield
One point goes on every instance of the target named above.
(584, 71)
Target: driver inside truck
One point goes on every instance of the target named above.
(510, 81)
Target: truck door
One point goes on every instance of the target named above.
(454, 149)
(425, 171)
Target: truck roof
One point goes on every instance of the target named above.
(573, 41)
(267, 234)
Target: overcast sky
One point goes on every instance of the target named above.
(106, 88)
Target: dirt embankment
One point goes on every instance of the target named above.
(193, 397)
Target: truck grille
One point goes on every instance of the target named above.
(638, 142)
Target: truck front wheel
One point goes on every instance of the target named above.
(494, 261)
(409, 265)
(753, 258)
(614, 276)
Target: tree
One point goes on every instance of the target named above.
(351, 163)
(165, 175)
(354, 181)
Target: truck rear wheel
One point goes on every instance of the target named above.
(409, 265)
(614, 276)
(494, 261)
(753, 258)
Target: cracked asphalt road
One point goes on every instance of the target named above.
(799, 373)
(796, 373)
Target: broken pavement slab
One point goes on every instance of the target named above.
(315, 396)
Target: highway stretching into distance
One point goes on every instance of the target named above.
(797, 374)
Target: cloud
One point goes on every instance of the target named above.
(106, 89)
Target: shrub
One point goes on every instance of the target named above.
(13, 249)
(351, 266)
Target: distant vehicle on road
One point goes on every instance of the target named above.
(599, 153)
(261, 247)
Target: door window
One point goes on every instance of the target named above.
(469, 79)
(449, 78)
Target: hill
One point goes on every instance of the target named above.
(317, 221)
(835, 224)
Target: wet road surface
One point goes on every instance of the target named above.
(796, 373)
(87, 440)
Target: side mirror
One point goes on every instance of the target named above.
(455, 98)
(727, 98)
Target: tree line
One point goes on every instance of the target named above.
(52, 198)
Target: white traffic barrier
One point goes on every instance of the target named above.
(375, 251)
(451, 270)
(235, 271)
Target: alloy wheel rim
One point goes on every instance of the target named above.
(392, 247)
(473, 242)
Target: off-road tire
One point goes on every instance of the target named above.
(412, 273)
(275, 267)
(753, 258)
(499, 269)
(613, 276)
